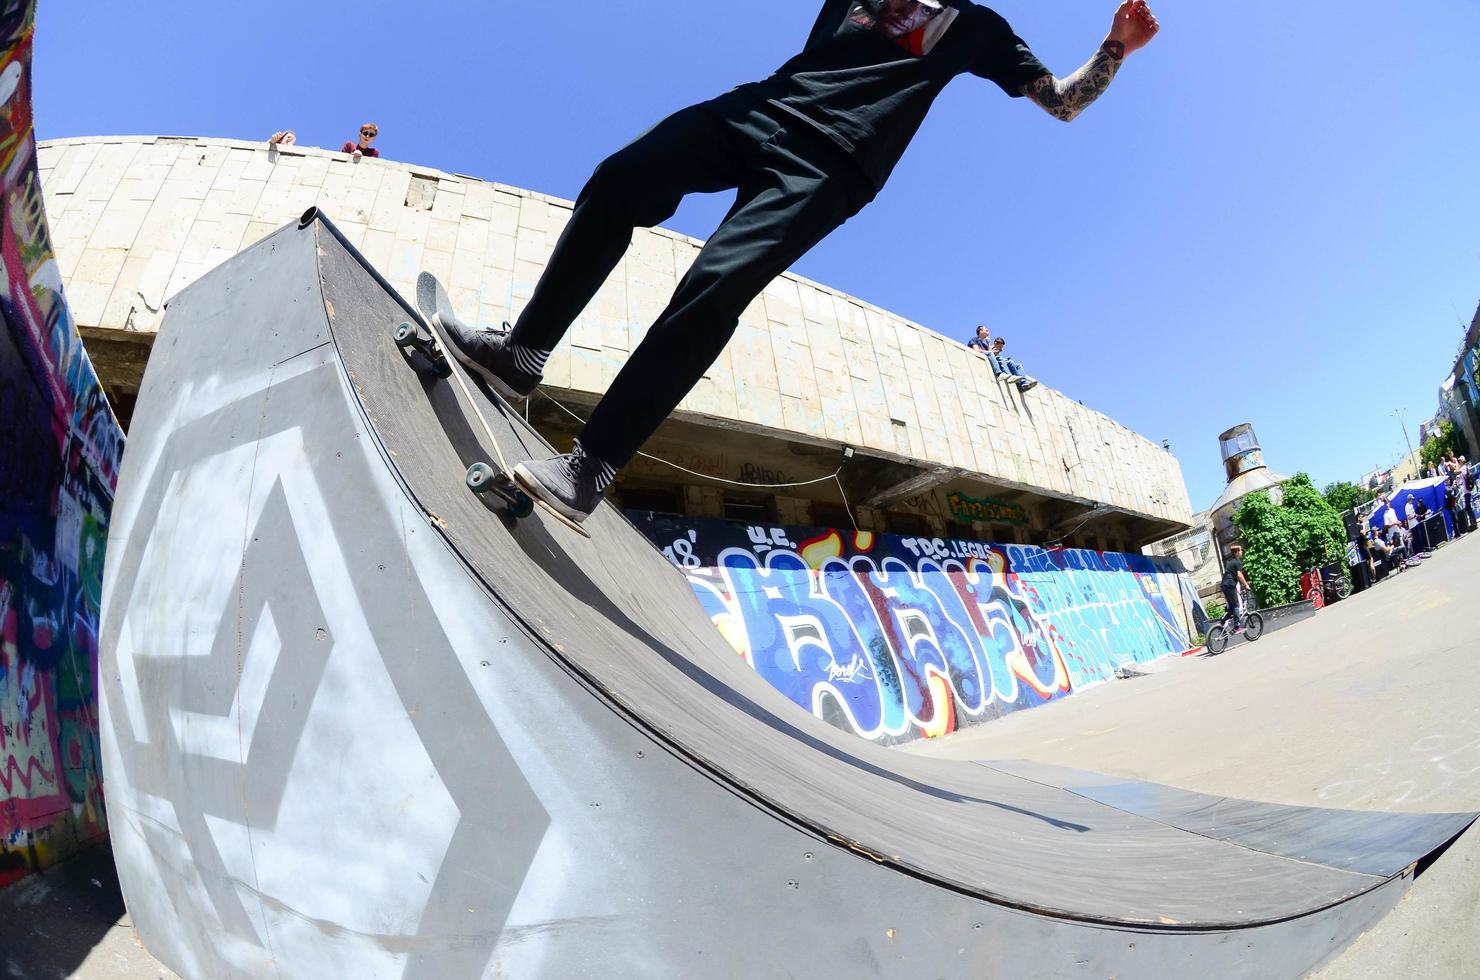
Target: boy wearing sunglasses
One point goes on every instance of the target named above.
(368, 132)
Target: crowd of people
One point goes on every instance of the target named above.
(1459, 491)
(1403, 539)
(1004, 367)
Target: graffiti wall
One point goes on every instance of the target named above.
(59, 453)
(896, 638)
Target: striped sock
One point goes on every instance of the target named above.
(605, 472)
(529, 360)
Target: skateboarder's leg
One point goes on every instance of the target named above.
(793, 206)
(642, 184)
(639, 186)
(798, 188)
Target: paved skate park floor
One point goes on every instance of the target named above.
(1372, 705)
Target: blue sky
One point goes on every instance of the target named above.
(1271, 217)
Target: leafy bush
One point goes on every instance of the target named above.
(1281, 541)
(1269, 550)
(1316, 526)
(1215, 609)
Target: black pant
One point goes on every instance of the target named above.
(795, 186)
(1235, 610)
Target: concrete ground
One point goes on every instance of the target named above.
(69, 921)
(1372, 705)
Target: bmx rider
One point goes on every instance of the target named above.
(1233, 580)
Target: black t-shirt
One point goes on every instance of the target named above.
(1231, 568)
(872, 69)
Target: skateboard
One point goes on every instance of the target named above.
(492, 479)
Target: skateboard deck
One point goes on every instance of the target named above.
(492, 478)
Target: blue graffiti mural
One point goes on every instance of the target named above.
(896, 638)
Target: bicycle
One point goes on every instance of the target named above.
(1333, 586)
(1220, 632)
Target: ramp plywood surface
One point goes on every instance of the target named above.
(357, 723)
(615, 611)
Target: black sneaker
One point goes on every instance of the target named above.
(487, 352)
(1027, 384)
(568, 483)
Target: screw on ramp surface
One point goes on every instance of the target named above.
(386, 728)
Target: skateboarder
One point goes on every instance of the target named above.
(806, 149)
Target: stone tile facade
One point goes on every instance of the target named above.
(136, 218)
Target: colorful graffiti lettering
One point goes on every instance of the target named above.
(975, 509)
(59, 453)
(897, 638)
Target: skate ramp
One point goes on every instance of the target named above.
(356, 723)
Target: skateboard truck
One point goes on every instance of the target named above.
(491, 480)
(486, 481)
(408, 337)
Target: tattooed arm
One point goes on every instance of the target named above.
(1065, 98)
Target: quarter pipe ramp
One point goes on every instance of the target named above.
(354, 724)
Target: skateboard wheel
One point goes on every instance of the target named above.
(521, 506)
(405, 336)
(481, 477)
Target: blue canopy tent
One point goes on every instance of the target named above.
(1431, 492)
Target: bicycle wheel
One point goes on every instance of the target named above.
(1343, 588)
(1218, 639)
(1253, 627)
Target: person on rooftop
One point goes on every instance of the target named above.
(982, 344)
(1013, 372)
(368, 132)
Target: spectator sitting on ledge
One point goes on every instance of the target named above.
(363, 148)
(982, 344)
(1012, 371)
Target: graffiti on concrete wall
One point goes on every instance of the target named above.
(59, 455)
(896, 638)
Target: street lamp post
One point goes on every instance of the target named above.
(1398, 413)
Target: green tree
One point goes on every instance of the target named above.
(1344, 496)
(1316, 529)
(1439, 445)
(1283, 540)
(1269, 550)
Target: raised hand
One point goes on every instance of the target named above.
(1134, 27)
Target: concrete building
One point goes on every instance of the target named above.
(1194, 549)
(1459, 394)
(922, 438)
(1243, 462)
(1201, 547)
